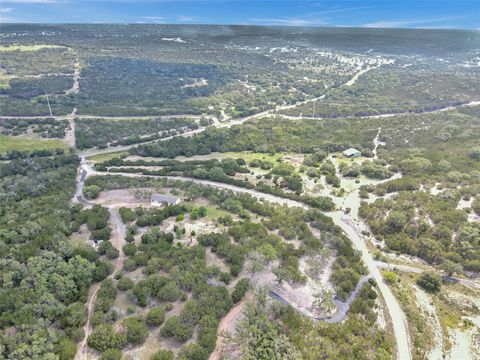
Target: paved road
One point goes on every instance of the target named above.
(342, 306)
(387, 115)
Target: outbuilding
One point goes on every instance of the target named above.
(352, 153)
(161, 199)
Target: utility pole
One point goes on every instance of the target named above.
(314, 108)
(49, 108)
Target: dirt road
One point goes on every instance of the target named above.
(413, 269)
(226, 326)
(117, 239)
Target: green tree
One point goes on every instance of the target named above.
(91, 192)
(268, 252)
(75, 315)
(430, 282)
(241, 287)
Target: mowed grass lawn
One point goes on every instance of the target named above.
(27, 144)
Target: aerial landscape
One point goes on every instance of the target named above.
(200, 191)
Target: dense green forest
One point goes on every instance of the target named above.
(44, 278)
(268, 135)
(104, 132)
(46, 128)
(396, 89)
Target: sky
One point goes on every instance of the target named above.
(432, 14)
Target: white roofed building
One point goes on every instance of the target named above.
(161, 199)
(352, 153)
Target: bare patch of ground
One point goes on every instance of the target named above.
(214, 260)
(424, 302)
(301, 296)
(120, 197)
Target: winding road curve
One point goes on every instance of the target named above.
(342, 306)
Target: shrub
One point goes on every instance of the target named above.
(91, 192)
(103, 338)
(169, 292)
(136, 331)
(129, 265)
(390, 277)
(155, 316)
(127, 214)
(225, 278)
(430, 282)
(111, 354)
(162, 355)
(174, 327)
(125, 283)
(193, 352)
(241, 287)
(129, 249)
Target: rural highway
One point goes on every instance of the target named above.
(385, 115)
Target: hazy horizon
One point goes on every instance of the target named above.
(423, 14)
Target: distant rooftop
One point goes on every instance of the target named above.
(161, 198)
(351, 151)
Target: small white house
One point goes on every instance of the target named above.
(352, 153)
(160, 200)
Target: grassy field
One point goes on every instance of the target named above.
(37, 47)
(247, 156)
(341, 159)
(27, 144)
(213, 212)
(108, 156)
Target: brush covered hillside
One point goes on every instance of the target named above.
(184, 192)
